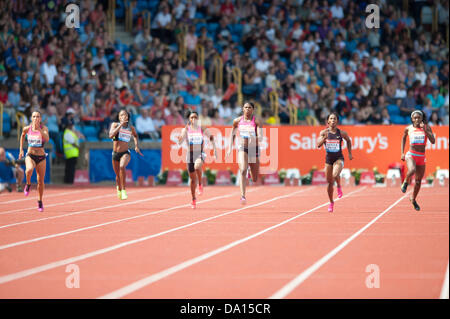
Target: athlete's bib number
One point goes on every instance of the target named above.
(124, 135)
(418, 138)
(34, 141)
(247, 131)
(332, 146)
(195, 138)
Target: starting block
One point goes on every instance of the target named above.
(81, 177)
(150, 181)
(174, 178)
(442, 176)
(367, 178)
(129, 176)
(393, 177)
(319, 178)
(223, 178)
(271, 179)
(292, 181)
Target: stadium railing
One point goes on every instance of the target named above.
(237, 79)
(218, 70)
(21, 122)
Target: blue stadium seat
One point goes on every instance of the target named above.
(6, 123)
(199, 26)
(120, 13)
(431, 63)
(393, 109)
(199, 15)
(397, 119)
(235, 38)
(407, 120)
(212, 27)
(90, 132)
(133, 118)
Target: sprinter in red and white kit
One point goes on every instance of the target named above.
(419, 132)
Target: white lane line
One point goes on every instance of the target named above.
(71, 202)
(119, 293)
(294, 283)
(46, 196)
(91, 210)
(444, 290)
(28, 241)
(32, 271)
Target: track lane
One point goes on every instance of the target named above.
(405, 252)
(128, 254)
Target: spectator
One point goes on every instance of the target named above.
(143, 40)
(71, 144)
(174, 118)
(204, 117)
(144, 125)
(435, 120)
(158, 122)
(347, 77)
(437, 100)
(48, 71)
(163, 25)
(215, 118)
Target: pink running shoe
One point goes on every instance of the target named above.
(200, 189)
(40, 206)
(339, 192)
(193, 204)
(330, 207)
(26, 191)
(243, 200)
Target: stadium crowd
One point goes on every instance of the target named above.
(322, 54)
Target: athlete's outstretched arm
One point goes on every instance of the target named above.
(233, 135)
(211, 139)
(405, 134)
(322, 138)
(182, 136)
(349, 144)
(430, 134)
(136, 141)
(259, 129)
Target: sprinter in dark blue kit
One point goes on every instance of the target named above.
(332, 138)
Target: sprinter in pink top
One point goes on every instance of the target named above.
(193, 134)
(250, 135)
(37, 135)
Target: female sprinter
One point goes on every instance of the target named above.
(121, 134)
(250, 133)
(334, 160)
(193, 134)
(418, 134)
(37, 135)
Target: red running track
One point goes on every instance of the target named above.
(282, 244)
